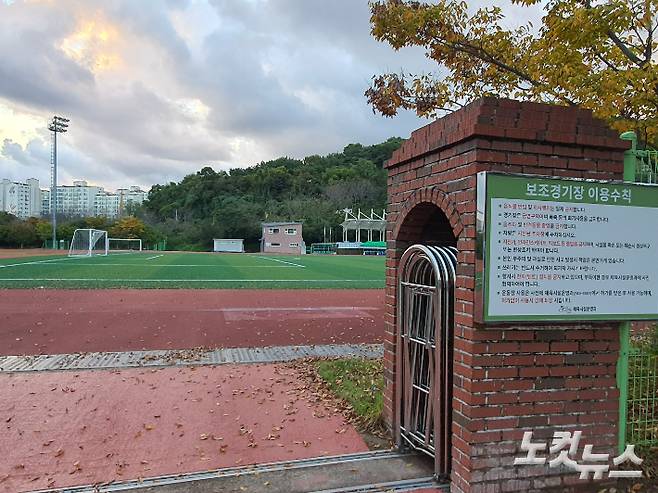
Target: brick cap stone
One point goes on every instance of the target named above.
(507, 119)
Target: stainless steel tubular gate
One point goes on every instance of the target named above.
(425, 320)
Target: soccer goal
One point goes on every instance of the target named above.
(88, 242)
(125, 245)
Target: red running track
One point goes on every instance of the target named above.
(48, 321)
(70, 428)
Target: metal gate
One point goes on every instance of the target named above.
(425, 321)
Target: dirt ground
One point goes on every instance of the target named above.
(28, 252)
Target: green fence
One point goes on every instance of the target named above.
(323, 248)
(61, 244)
(642, 401)
(646, 166)
(637, 368)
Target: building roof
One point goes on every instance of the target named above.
(281, 223)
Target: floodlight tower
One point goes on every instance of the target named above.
(57, 125)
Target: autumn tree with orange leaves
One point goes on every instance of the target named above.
(600, 55)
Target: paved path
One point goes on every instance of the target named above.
(47, 321)
(184, 357)
(70, 428)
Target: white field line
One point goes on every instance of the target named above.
(282, 261)
(128, 264)
(23, 279)
(155, 256)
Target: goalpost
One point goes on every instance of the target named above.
(125, 244)
(88, 242)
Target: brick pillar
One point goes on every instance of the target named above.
(507, 378)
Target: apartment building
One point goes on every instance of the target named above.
(80, 199)
(107, 204)
(20, 199)
(133, 195)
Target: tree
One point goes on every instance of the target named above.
(598, 54)
(6, 218)
(44, 230)
(65, 231)
(22, 234)
(209, 204)
(128, 227)
(96, 222)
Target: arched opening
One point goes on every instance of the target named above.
(425, 330)
(426, 224)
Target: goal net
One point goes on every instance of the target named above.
(88, 242)
(125, 244)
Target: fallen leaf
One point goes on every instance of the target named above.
(76, 467)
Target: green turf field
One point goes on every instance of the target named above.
(193, 270)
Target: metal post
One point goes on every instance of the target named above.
(630, 166)
(57, 125)
(53, 192)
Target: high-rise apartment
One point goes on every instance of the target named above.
(80, 199)
(21, 199)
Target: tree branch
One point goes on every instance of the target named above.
(618, 42)
(625, 49)
(483, 55)
(606, 61)
(648, 49)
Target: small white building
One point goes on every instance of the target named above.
(228, 245)
(283, 237)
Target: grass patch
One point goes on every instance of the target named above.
(194, 270)
(360, 384)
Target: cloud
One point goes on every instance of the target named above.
(156, 90)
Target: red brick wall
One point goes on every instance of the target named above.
(509, 378)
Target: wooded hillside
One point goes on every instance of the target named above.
(232, 204)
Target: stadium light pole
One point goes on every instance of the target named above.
(57, 125)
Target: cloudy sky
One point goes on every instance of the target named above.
(156, 89)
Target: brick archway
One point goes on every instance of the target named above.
(510, 377)
(427, 216)
(426, 199)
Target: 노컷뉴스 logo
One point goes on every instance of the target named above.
(565, 449)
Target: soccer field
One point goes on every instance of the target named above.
(193, 270)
